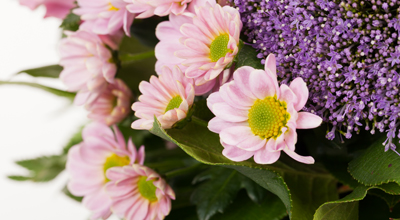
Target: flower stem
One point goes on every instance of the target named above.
(199, 121)
(194, 168)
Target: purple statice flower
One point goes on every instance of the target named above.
(350, 61)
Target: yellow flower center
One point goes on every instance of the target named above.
(112, 7)
(267, 117)
(175, 102)
(115, 161)
(219, 47)
(147, 189)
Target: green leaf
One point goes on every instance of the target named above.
(215, 195)
(75, 139)
(309, 187)
(347, 207)
(244, 208)
(71, 22)
(54, 91)
(52, 71)
(69, 194)
(254, 191)
(19, 178)
(42, 169)
(375, 166)
(247, 56)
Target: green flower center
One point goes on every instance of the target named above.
(115, 161)
(219, 47)
(147, 189)
(267, 117)
(174, 103)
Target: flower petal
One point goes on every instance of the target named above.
(264, 156)
(301, 159)
(308, 120)
(236, 154)
(299, 87)
(261, 84)
(235, 135)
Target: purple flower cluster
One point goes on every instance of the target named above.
(348, 52)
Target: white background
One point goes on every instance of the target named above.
(32, 122)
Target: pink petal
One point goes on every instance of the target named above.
(235, 135)
(307, 120)
(264, 156)
(261, 84)
(236, 154)
(291, 136)
(252, 143)
(287, 94)
(242, 78)
(301, 159)
(299, 87)
(228, 113)
(216, 124)
(270, 63)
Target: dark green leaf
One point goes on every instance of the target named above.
(42, 169)
(52, 71)
(71, 22)
(375, 166)
(243, 208)
(215, 195)
(309, 188)
(255, 192)
(247, 56)
(57, 92)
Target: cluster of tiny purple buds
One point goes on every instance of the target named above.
(348, 53)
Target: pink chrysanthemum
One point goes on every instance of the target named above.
(138, 193)
(112, 105)
(54, 8)
(256, 117)
(205, 42)
(105, 16)
(168, 97)
(87, 65)
(88, 162)
(148, 8)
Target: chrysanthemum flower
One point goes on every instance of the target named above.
(205, 44)
(138, 193)
(87, 63)
(105, 16)
(54, 8)
(88, 162)
(168, 97)
(256, 117)
(112, 105)
(148, 8)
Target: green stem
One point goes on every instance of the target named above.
(186, 170)
(136, 57)
(199, 121)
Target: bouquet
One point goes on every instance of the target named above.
(232, 109)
